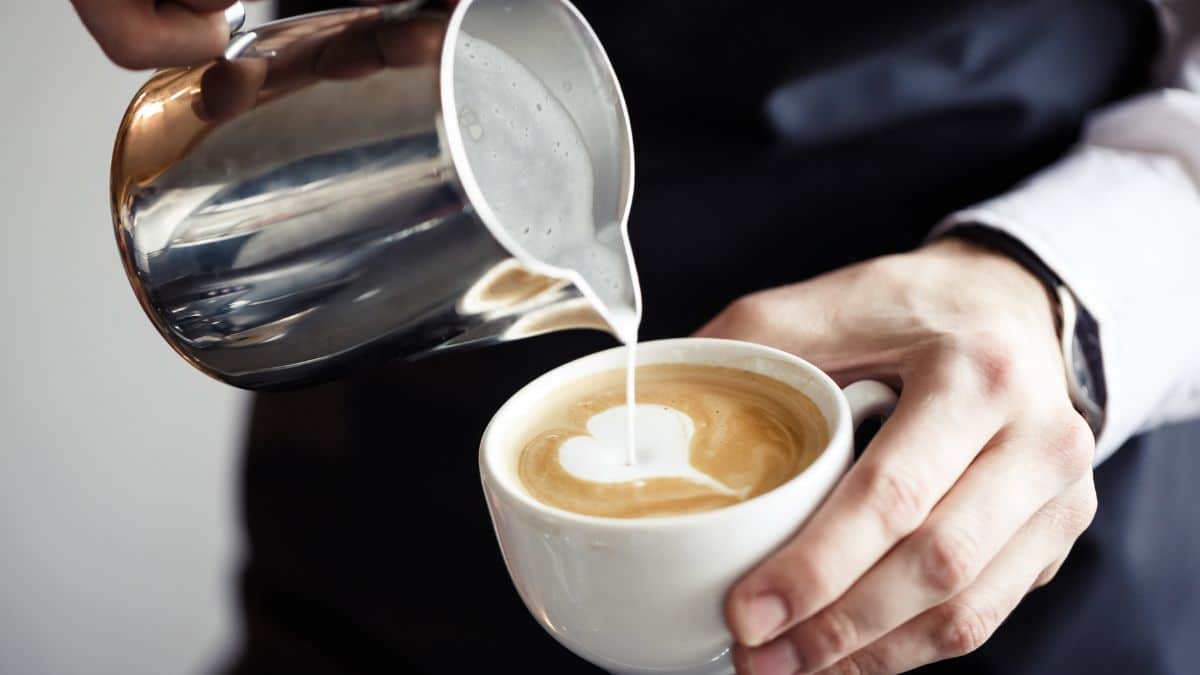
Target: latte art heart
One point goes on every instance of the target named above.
(707, 437)
(664, 437)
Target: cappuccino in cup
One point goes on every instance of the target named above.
(708, 437)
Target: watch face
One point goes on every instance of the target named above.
(1083, 377)
(1089, 356)
(1085, 367)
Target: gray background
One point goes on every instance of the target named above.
(118, 461)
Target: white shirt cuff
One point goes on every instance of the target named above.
(1122, 229)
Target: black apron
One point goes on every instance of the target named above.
(775, 141)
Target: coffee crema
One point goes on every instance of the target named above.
(748, 435)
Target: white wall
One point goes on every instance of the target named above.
(118, 532)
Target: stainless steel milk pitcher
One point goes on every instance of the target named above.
(304, 205)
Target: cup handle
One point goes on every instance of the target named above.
(867, 399)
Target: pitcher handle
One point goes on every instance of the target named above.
(235, 17)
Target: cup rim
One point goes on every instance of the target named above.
(840, 435)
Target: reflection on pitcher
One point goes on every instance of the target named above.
(326, 198)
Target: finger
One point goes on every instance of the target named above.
(328, 49)
(418, 42)
(942, 421)
(451, 4)
(1018, 474)
(1049, 573)
(296, 65)
(349, 55)
(229, 88)
(205, 6)
(138, 34)
(181, 36)
(964, 623)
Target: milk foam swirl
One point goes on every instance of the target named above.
(708, 437)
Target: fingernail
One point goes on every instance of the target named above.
(763, 618)
(776, 658)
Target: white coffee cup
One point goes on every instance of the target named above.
(645, 595)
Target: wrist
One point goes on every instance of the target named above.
(999, 282)
(1076, 330)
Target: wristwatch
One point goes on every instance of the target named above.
(1078, 332)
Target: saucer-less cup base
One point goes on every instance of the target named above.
(645, 595)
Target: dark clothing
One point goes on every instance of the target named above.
(775, 141)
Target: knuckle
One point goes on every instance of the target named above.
(996, 365)
(1071, 443)
(848, 666)
(1073, 515)
(835, 631)
(986, 363)
(748, 310)
(802, 582)
(865, 662)
(962, 629)
(844, 667)
(808, 582)
(1046, 576)
(892, 271)
(1089, 505)
(895, 496)
(949, 561)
